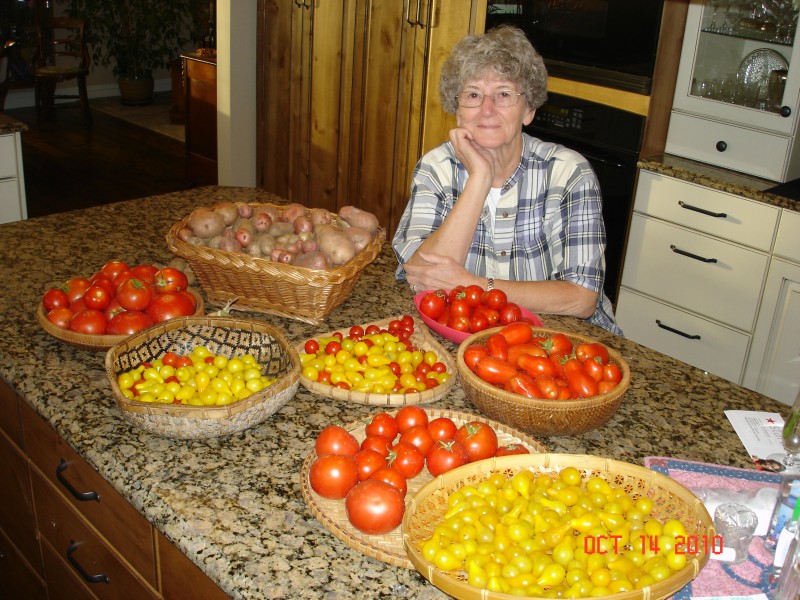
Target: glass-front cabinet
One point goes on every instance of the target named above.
(736, 97)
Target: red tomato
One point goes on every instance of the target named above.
(558, 344)
(497, 346)
(406, 459)
(445, 456)
(368, 461)
(511, 449)
(410, 415)
(75, 288)
(472, 294)
(356, 332)
(473, 354)
(60, 316)
(548, 386)
(594, 368)
(581, 384)
(378, 443)
(494, 370)
(418, 436)
(311, 346)
(517, 333)
(89, 320)
(374, 507)
(605, 386)
(536, 366)
(612, 373)
(134, 294)
(382, 424)
(492, 315)
(336, 440)
(457, 293)
(495, 299)
(442, 428)
(478, 439)
(167, 305)
(170, 279)
(332, 476)
(113, 309)
(120, 279)
(333, 347)
(189, 296)
(460, 308)
(591, 350)
(459, 323)
(146, 273)
(478, 322)
(510, 313)
(517, 350)
(55, 298)
(113, 268)
(393, 478)
(128, 322)
(524, 385)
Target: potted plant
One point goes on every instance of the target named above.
(135, 38)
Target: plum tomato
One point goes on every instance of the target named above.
(410, 415)
(128, 322)
(335, 439)
(374, 507)
(591, 350)
(517, 333)
(495, 370)
(473, 354)
(558, 344)
(168, 305)
(478, 439)
(382, 424)
(332, 476)
(90, 321)
(54, 298)
(445, 456)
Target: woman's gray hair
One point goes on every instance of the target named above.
(503, 50)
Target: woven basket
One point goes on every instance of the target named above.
(265, 286)
(423, 340)
(670, 500)
(541, 416)
(389, 547)
(221, 335)
(96, 343)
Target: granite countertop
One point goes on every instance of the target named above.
(717, 178)
(233, 505)
(10, 125)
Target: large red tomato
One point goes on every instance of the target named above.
(406, 459)
(410, 415)
(60, 316)
(128, 322)
(75, 288)
(335, 439)
(55, 298)
(333, 475)
(368, 462)
(374, 507)
(169, 305)
(170, 279)
(382, 424)
(88, 320)
(478, 439)
(432, 304)
(113, 268)
(134, 294)
(444, 456)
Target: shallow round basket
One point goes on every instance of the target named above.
(265, 286)
(389, 547)
(97, 343)
(541, 416)
(222, 336)
(671, 500)
(423, 340)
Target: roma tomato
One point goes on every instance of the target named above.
(548, 386)
(332, 476)
(368, 461)
(54, 298)
(409, 416)
(594, 368)
(591, 350)
(516, 333)
(510, 313)
(89, 320)
(418, 436)
(382, 424)
(536, 366)
(393, 478)
(170, 279)
(495, 299)
(406, 459)
(478, 439)
(60, 316)
(612, 373)
(524, 385)
(473, 354)
(494, 370)
(169, 305)
(134, 294)
(445, 456)
(128, 322)
(497, 346)
(517, 350)
(581, 385)
(336, 440)
(511, 449)
(374, 507)
(442, 428)
(432, 304)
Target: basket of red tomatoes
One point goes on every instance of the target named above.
(456, 314)
(542, 381)
(117, 300)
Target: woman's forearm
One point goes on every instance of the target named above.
(551, 297)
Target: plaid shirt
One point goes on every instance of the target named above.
(548, 223)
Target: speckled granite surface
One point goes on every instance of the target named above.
(717, 178)
(9, 125)
(233, 504)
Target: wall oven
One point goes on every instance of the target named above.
(611, 43)
(610, 139)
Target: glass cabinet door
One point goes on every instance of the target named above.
(736, 63)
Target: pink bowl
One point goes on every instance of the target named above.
(459, 336)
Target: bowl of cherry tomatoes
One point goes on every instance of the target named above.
(542, 381)
(117, 300)
(458, 313)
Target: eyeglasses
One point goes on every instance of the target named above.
(503, 99)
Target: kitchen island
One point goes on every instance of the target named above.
(233, 504)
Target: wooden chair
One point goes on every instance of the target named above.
(61, 55)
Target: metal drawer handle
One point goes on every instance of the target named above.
(415, 21)
(99, 578)
(82, 496)
(678, 331)
(682, 204)
(677, 250)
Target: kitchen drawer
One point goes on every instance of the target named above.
(16, 516)
(787, 242)
(712, 347)
(710, 211)
(727, 290)
(8, 156)
(747, 150)
(99, 567)
(9, 413)
(63, 583)
(181, 578)
(115, 519)
(10, 201)
(17, 580)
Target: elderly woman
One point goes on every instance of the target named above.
(496, 207)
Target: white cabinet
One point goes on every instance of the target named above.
(13, 206)
(695, 267)
(736, 95)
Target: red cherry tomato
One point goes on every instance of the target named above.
(311, 346)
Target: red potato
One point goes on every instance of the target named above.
(311, 260)
(302, 224)
(292, 211)
(321, 216)
(244, 237)
(335, 245)
(262, 221)
(355, 217)
(245, 210)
